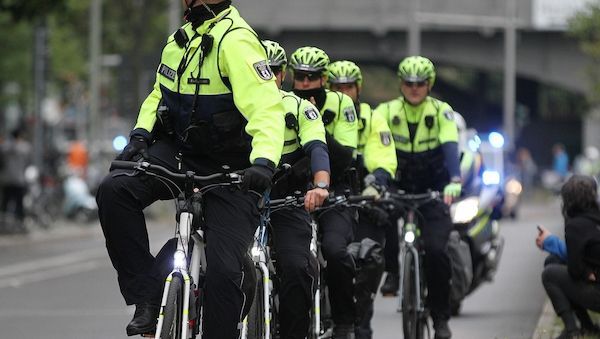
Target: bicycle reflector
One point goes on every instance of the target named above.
(409, 237)
(179, 260)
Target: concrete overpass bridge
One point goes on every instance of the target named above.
(462, 33)
(378, 30)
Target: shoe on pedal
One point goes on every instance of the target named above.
(144, 320)
(343, 331)
(390, 285)
(441, 328)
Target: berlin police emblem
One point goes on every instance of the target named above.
(263, 70)
(386, 138)
(349, 114)
(311, 113)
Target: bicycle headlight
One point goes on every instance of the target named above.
(255, 251)
(409, 237)
(465, 210)
(179, 260)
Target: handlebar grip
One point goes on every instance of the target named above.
(361, 198)
(122, 164)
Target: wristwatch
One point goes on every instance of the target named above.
(322, 184)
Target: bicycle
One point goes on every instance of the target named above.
(322, 324)
(261, 321)
(180, 315)
(413, 287)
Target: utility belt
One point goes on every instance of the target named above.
(221, 139)
(419, 172)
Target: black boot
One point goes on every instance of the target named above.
(590, 330)
(343, 331)
(144, 320)
(441, 328)
(569, 334)
(390, 285)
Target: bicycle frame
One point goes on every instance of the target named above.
(261, 259)
(409, 245)
(197, 263)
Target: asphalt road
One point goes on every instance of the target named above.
(62, 285)
(510, 306)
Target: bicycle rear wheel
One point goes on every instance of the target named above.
(412, 323)
(256, 315)
(173, 313)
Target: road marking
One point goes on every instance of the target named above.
(25, 278)
(16, 275)
(47, 263)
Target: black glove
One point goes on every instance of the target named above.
(257, 178)
(136, 149)
(378, 216)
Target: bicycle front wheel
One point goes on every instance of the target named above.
(257, 324)
(412, 324)
(173, 312)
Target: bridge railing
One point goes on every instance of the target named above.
(372, 15)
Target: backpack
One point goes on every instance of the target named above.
(461, 265)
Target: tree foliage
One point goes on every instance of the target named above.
(30, 9)
(132, 29)
(585, 26)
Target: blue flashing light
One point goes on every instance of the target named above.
(119, 143)
(496, 140)
(491, 178)
(473, 145)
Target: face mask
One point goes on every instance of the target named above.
(199, 14)
(318, 94)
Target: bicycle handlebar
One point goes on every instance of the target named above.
(332, 201)
(144, 166)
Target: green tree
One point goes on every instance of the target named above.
(585, 26)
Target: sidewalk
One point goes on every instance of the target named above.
(548, 326)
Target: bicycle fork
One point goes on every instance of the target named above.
(198, 260)
(415, 255)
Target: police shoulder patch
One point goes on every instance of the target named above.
(263, 70)
(449, 115)
(311, 113)
(386, 138)
(349, 114)
(167, 72)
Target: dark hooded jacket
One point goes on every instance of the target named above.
(582, 235)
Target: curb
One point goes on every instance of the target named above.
(546, 325)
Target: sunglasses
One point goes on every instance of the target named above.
(415, 83)
(300, 76)
(276, 69)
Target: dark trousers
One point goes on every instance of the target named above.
(292, 235)
(568, 295)
(231, 218)
(435, 230)
(14, 194)
(367, 282)
(337, 229)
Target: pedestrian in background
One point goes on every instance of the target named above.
(526, 169)
(571, 275)
(560, 164)
(16, 153)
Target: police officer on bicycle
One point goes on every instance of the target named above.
(215, 107)
(309, 67)
(305, 150)
(376, 155)
(425, 136)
